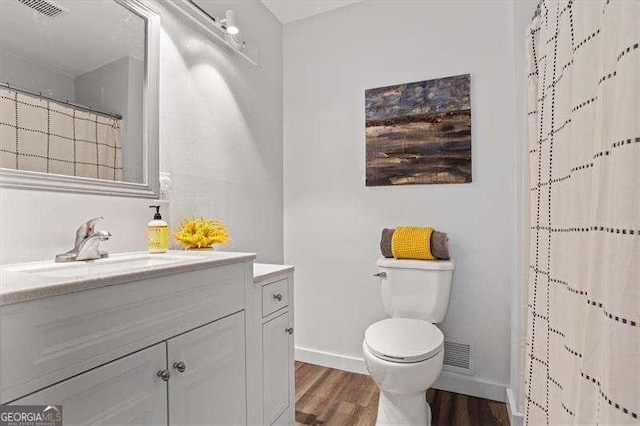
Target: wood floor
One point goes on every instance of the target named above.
(325, 396)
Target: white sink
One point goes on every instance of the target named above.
(117, 264)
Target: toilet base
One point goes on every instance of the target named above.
(396, 409)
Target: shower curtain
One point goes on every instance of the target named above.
(583, 331)
(42, 135)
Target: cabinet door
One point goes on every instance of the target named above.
(126, 391)
(207, 365)
(276, 339)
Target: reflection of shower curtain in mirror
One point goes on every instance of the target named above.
(40, 135)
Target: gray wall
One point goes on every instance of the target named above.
(118, 87)
(134, 150)
(220, 136)
(221, 126)
(522, 13)
(333, 222)
(30, 75)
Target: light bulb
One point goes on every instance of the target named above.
(230, 23)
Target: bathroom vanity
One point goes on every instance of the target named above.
(179, 338)
(270, 351)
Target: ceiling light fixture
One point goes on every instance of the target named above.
(225, 29)
(229, 23)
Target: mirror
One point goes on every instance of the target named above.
(78, 86)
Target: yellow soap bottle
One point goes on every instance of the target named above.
(158, 232)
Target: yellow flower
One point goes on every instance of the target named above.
(201, 233)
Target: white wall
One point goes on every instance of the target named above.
(29, 75)
(118, 87)
(522, 13)
(220, 137)
(221, 127)
(37, 225)
(333, 222)
(134, 152)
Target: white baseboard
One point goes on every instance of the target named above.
(331, 360)
(470, 385)
(449, 381)
(515, 417)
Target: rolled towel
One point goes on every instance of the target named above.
(385, 242)
(412, 242)
(439, 244)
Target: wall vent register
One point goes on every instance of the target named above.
(457, 357)
(44, 7)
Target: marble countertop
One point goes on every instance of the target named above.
(264, 271)
(36, 280)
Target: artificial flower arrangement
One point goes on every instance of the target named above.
(198, 233)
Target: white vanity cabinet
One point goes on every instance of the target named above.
(270, 346)
(197, 340)
(160, 345)
(276, 343)
(123, 392)
(201, 373)
(207, 366)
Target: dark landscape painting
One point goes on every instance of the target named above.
(419, 133)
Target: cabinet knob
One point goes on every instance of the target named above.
(180, 366)
(277, 296)
(164, 374)
(289, 330)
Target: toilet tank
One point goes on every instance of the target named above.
(416, 289)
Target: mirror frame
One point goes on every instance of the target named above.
(24, 179)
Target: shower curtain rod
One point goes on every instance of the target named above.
(60, 101)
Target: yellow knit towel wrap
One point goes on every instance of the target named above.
(412, 242)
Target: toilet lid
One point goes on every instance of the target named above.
(404, 339)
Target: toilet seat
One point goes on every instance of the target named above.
(403, 340)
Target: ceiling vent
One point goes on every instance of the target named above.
(457, 357)
(44, 7)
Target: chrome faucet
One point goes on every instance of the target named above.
(86, 245)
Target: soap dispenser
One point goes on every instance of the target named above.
(158, 231)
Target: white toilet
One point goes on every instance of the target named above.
(404, 353)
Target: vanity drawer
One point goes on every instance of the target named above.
(48, 340)
(275, 296)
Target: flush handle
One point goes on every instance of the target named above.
(381, 275)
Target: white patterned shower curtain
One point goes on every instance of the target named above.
(42, 135)
(583, 312)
